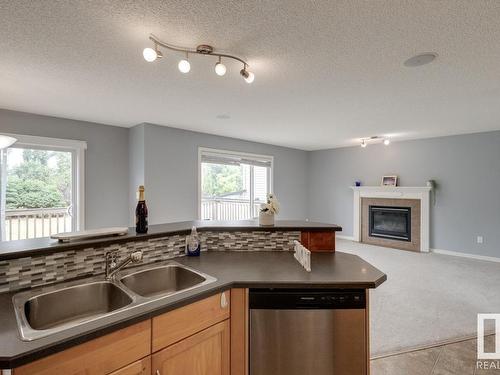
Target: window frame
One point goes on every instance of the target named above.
(270, 173)
(77, 149)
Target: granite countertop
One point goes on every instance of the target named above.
(232, 269)
(45, 245)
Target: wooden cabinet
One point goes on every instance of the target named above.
(239, 331)
(142, 367)
(193, 339)
(100, 356)
(204, 353)
(187, 320)
(318, 240)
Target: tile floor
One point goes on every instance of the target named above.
(453, 359)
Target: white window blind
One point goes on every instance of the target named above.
(215, 157)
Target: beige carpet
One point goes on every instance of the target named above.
(427, 298)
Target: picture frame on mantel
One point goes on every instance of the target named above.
(389, 181)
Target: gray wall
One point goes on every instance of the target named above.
(466, 169)
(106, 166)
(308, 184)
(171, 172)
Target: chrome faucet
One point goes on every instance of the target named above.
(112, 267)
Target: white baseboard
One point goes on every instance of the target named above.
(465, 255)
(349, 238)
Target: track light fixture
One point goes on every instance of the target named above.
(151, 54)
(220, 68)
(247, 76)
(374, 139)
(184, 66)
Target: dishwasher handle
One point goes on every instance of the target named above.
(290, 299)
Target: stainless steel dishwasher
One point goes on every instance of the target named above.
(308, 331)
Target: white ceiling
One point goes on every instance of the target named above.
(327, 72)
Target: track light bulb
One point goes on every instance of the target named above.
(247, 76)
(363, 143)
(184, 66)
(220, 69)
(250, 77)
(149, 54)
(387, 141)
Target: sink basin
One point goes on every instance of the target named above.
(51, 311)
(56, 308)
(163, 280)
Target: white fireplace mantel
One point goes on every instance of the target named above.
(394, 192)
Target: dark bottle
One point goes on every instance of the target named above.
(141, 213)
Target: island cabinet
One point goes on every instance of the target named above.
(141, 367)
(194, 339)
(99, 356)
(318, 240)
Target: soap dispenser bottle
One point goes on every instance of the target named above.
(193, 243)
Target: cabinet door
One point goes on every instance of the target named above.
(142, 367)
(185, 321)
(205, 353)
(96, 357)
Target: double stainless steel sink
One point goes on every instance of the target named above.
(57, 308)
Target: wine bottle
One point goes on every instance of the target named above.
(141, 213)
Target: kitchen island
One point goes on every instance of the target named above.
(235, 272)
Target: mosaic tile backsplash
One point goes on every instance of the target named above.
(28, 272)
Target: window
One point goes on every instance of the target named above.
(41, 187)
(233, 185)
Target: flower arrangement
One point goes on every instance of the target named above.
(272, 206)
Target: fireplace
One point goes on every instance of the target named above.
(390, 222)
(417, 217)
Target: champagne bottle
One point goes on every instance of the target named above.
(141, 213)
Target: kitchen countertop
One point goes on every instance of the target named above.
(46, 245)
(232, 270)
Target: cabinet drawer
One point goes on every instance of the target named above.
(100, 356)
(142, 367)
(206, 352)
(180, 323)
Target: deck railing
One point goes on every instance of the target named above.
(228, 209)
(38, 222)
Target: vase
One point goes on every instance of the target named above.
(266, 219)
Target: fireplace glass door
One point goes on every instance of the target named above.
(390, 222)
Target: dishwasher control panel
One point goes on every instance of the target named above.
(280, 298)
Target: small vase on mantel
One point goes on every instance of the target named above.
(266, 219)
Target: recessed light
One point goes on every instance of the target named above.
(223, 116)
(421, 59)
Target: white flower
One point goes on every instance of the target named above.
(272, 206)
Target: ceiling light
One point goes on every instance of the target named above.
(247, 76)
(184, 66)
(6, 141)
(363, 143)
(149, 54)
(387, 141)
(220, 68)
(421, 59)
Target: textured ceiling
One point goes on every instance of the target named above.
(327, 72)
